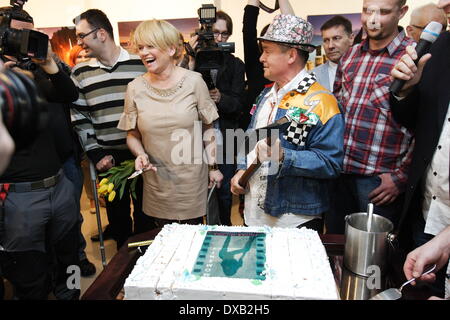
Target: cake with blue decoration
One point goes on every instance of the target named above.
(217, 262)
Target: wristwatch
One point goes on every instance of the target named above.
(267, 9)
(213, 167)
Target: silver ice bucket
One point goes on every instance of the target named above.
(355, 287)
(366, 251)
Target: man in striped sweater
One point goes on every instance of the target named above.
(102, 82)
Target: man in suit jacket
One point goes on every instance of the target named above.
(337, 39)
(423, 106)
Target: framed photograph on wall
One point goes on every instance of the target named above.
(186, 26)
(62, 40)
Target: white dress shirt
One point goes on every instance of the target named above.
(332, 68)
(436, 204)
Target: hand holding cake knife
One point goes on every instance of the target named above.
(142, 164)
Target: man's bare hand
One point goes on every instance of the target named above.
(193, 42)
(215, 95)
(406, 69)
(236, 188)
(106, 163)
(386, 192)
(266, 152)
(436, 251)
(49, 65)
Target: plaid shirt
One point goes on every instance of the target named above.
(373, 142)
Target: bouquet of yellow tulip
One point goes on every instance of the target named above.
(115, 180)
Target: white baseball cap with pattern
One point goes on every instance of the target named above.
(291, 31)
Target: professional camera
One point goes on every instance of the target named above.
(24, 44)
(22, 107)
(209, 55)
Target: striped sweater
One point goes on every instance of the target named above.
(100, 103)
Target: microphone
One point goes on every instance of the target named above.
(428, 36)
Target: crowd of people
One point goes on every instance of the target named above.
(349, 141)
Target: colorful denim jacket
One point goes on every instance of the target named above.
(313, 151)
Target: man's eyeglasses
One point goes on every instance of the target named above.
(224, 35)
(423, 28)
(81, 36)
(418, 27)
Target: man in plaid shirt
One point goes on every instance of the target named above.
(377, 149)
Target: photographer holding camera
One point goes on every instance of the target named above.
(38, 214)
(225, 76)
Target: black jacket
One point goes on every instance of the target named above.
(45, 155)
(231, 84)
(423, 112)
(253, 67)
(60, 96)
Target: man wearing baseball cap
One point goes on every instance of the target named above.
(290, 189)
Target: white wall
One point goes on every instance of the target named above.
(54, 13)
(135, 10)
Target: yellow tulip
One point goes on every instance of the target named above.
(103, 189)
(110, 187)
(111, 196)
(104, 181)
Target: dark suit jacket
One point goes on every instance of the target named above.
(423, 112)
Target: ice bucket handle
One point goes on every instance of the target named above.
(391, 237)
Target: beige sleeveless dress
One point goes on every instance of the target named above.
(170, 123)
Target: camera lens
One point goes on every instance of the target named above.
(22, 107)
(25, 43)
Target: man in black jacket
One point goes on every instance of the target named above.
(229, 96)
(423, 106)
(253, 67)
(39, 240)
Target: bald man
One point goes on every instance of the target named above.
(422, 16)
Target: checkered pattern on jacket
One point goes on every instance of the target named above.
(297, 133)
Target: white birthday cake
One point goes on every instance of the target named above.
(215, 262)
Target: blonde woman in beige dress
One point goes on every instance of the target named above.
(166, 112)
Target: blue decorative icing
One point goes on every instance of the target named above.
(232, 254)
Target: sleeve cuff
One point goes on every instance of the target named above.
(209, 114)
(400, 180)
(287, 162)
(127, 121)
(95, 155)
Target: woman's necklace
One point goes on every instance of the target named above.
(165, 92)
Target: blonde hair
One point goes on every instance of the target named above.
(159, 34)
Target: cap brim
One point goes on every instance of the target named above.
(302, 46)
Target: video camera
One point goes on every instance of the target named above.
(22, 107)
(209, 55)
(24, 44)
